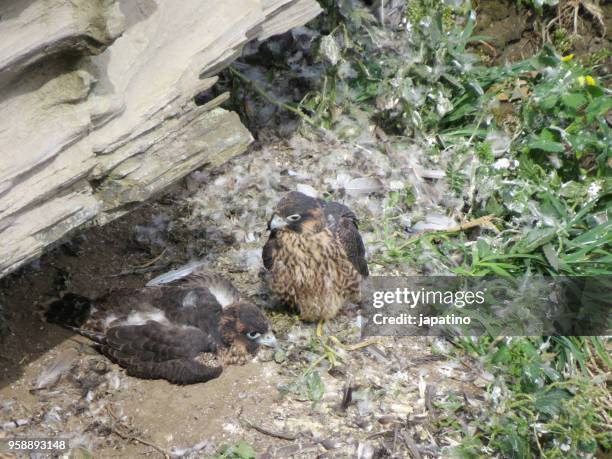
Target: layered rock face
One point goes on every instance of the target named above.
(97, 105)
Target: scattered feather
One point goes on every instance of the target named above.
(363, 185)
(365, 450)
(194, 450)
(307, 190)
(175, 274)
(434, 222)
(51, 375)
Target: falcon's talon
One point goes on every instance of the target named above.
(319, 329)
(329, 352)
(355, 346)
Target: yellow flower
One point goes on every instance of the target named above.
(567, 58)
(581, 80)
(590, 80)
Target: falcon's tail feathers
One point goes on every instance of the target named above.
(96, 337)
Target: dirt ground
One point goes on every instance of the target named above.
(511, 32)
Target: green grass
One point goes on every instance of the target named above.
(548, 398)
(240, 450)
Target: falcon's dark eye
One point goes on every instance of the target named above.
(253, 335)
(294, 217)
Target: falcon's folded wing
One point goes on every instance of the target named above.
(161, 351)
(343, 223)
(267, 253)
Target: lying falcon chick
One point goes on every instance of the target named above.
(183, 328)
(314, 256)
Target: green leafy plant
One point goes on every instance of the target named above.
(544, 398)
(240, 450)
(547, 193)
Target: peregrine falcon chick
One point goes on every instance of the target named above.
(314, 256)
(182, 329)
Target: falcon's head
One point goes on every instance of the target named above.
(244, 326)
(299, 213)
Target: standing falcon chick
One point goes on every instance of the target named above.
(314, 256)
(182, 329)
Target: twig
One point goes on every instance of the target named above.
(395, 435)
(142, 441)
(426, 359)
(486, 221)
(381, 433)
(270, 433)
(361, 147)
(355, 346)
(150, 262)
(147, 269)
(430, 391)
(489, 46)
(347, 394)
(130, 437)
(411, 445)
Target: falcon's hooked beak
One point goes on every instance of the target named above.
(268, 340)
(276, 222)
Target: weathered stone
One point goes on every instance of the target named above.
(97, 103)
